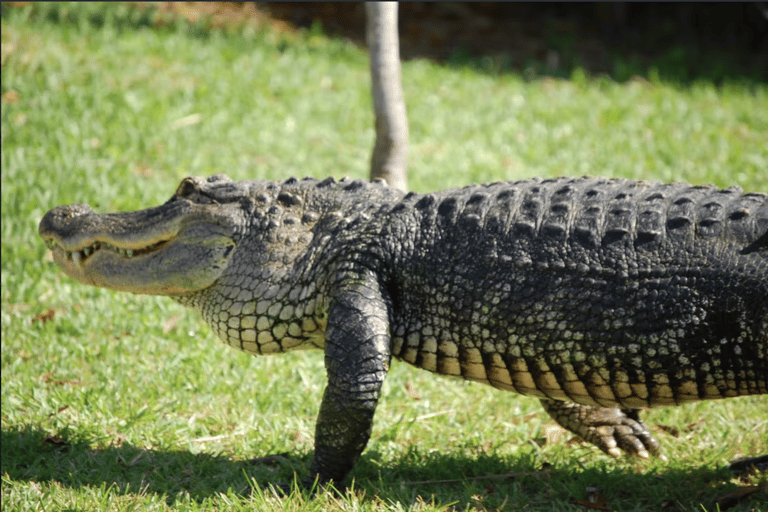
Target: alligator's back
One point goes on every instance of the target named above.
(604, 292)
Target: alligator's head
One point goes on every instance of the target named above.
(180, 247)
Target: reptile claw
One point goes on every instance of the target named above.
(610, 429)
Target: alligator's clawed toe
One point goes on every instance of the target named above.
(629, 435)
(611, 429)
(633, 436)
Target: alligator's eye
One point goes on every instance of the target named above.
(186, 188)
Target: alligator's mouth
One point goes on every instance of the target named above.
(176, 248)
(80, 256)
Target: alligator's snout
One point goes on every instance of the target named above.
(61, 220)
(178, 247)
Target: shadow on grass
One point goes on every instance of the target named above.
(33, 455)
(683, 62)
(680, 65)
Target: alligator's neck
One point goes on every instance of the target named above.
(272, 297)
(256, 305)
(263, 313)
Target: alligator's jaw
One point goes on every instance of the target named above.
(176, 248)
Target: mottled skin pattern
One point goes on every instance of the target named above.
(598, 296)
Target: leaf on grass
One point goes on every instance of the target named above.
(117, 440)
(477, 501)
(56, 440)
(677, 432)
(11, 97)
(170, 324)
(47, 377)
(531, 416)
(144, 172)
(667, 429)
(44, 317)
(298, 436)
(595, 500)
(185, 121)
(70, 382)
(410, 391)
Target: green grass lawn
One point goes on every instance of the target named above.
(113, 401)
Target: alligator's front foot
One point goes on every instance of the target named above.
(609, 428)
(311, 486)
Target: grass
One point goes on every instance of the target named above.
(119, 402)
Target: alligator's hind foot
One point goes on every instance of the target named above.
(609, 428)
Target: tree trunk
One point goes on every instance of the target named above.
(390, 153)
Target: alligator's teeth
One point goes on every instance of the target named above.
(129, 253)
(96, 246)
(77, 258)
(87, 251)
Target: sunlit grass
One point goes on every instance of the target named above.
(121, 402)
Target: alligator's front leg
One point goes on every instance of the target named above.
(357, 357)
(608, 428)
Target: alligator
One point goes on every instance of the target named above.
(598, 296)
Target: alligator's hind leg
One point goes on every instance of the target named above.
(608, 428)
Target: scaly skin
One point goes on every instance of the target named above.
(597, 296)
